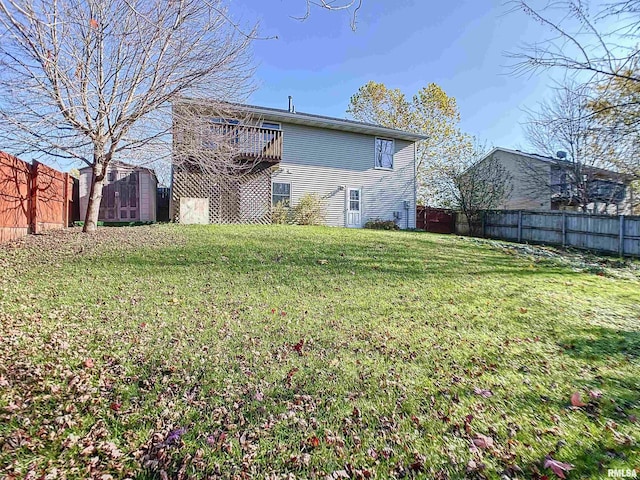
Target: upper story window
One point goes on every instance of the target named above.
(384, 153)
(271, 125)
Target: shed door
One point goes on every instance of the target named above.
(128, 196)
(354, 207)
(120, 197)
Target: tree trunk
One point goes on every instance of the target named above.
(95, 196)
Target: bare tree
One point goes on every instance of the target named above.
(94, 81)
(582, 176)
(475, 183)
(351, 6)
(598, 40)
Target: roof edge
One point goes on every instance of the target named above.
(322, 121)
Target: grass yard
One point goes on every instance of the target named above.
(300, 352)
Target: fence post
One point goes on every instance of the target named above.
(65, 200)
(519, 226)
(564, 229)
(621, 244)
(33, 196)
(484, 224)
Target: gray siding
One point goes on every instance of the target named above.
(529, 190)
(329, 162)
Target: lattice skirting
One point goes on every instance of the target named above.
(245, 199)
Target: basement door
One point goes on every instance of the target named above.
(354, 207)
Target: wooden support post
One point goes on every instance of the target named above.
(564, 229)
(519, 225)
(621, 240)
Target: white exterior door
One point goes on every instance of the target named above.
(354, 207)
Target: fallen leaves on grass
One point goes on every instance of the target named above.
(298, 346)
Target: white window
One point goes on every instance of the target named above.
(354, 200)
(281, 193)
(271, 125)
(384, 153)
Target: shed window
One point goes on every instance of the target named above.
(384, 153)
(281, 194)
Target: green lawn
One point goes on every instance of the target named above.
(253, 352)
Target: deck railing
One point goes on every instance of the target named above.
(248, 141)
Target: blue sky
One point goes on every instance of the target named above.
(405, 44)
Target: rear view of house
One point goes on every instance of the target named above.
(360, 171)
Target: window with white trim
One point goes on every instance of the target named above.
(281, 193)
(384, 153)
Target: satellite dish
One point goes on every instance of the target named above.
(561, 154)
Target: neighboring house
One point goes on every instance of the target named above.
(128, 193)
(361, 171)
(545, 183)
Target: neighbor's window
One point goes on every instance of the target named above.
(384, 153)
(281, 194)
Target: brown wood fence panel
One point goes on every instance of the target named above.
(437, 220)
(33, 198)
(14, 197)
(52, 192)
(602, 233)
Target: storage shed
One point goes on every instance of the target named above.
(128, 193)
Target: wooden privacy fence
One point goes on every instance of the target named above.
(602, 233)
(33, 198)
(437, 220)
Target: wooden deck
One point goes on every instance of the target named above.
(252, 143)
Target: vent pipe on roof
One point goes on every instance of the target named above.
(292, 108)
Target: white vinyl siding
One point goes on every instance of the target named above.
(329, 162)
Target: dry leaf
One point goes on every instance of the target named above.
(482, 441)
(483, 392)
(595, 394)
(576, 401)
(557, 467)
